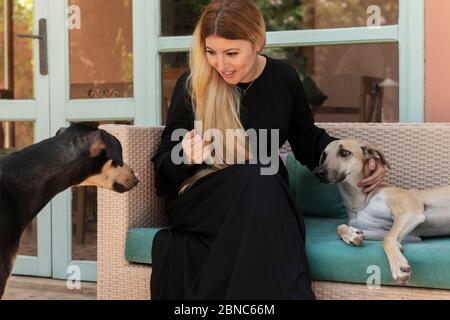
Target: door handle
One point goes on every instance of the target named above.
(42, 37)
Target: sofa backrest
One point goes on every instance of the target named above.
(419, 154)
(143, 206)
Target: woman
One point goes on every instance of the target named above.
(237, 234)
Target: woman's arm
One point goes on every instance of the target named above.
(307, 140)
(169, 176)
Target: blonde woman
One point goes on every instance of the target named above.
(236, 233)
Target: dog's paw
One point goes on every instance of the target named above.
(350, 235)
(401, 271)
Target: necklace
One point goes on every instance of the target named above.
(244, 92)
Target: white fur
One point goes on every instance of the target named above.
(375, 216)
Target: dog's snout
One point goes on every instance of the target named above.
(321, 173)
(137, 179)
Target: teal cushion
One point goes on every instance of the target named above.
(138, 246)
(314, 198)
(330, 259)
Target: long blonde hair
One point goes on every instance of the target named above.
(216, 103)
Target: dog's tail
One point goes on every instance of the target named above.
(436, 197)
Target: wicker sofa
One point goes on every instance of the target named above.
(418, 154)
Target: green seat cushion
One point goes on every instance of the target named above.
(138, 246)
(314, 198)
(330, 259)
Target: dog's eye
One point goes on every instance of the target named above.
(345, 153)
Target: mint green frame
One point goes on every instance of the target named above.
(412, 61)
(37, 111)
(54, 238)
(65, 110)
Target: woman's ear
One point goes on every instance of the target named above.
(259, 46)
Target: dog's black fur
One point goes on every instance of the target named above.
(29, 179)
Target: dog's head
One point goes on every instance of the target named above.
(344, 158)
(100, 154)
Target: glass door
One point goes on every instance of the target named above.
(93, 81)
(24, 109)
(99, 69)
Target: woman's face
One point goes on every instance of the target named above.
(234, 60)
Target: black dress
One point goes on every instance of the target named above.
(237, 234)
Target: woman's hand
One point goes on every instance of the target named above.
(194, 149)
(373, 181)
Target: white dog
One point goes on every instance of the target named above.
(389, 213)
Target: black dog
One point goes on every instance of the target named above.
(29, 179)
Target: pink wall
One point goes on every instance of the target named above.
(437, 57)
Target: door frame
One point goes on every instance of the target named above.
(65, 110)
(37, 111)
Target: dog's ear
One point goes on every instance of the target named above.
(323, 157)
(103, 141)
(93, 125)
(60, 130)
(371, 151)
(113, 150)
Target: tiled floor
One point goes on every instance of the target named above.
(29, 288)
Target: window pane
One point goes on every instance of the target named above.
(283, 15)
(101, 49)
(16, 54)
(178, 17)
(173, 66)
(84, 223)
(345, 83)
(348, 83)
